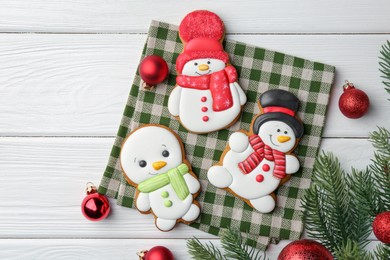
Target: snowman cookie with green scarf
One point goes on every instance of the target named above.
(153, 161)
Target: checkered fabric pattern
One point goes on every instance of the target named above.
(259, 70)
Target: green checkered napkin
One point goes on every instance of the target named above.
(259, 70)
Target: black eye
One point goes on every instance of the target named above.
(278, 130)
(208, 62)
(165, 153)
(285, 132)
(196, 64)
(142, 163)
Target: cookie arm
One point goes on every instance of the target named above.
(174, 101)
(238, 142)
(143, 203)
(192, 183)
(292, 164)
(241, 93)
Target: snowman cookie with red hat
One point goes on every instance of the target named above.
(207, 97)
(255, 164)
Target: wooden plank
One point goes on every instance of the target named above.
(106, 248)
(42, 182)
(77, 85)
(253, 16)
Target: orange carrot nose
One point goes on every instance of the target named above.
(283, 138)
(158, 165)
(203, 67)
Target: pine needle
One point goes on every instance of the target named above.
(198, 251)
(235, 248)
(384, 63)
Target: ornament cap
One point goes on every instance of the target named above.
(348, 85)
(91, 188)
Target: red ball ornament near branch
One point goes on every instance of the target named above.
(305, 249)
(156, 253)
(353, 103)
(95, 206)
(381, 227)
(153, 70)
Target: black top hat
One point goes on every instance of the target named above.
(279, 105)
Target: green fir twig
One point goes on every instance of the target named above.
(384, 64)
(233, 244)
(208, 251)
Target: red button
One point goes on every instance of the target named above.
(204, 109)
(205, 118)
(259, 178)
(203, 99)
(266, 167)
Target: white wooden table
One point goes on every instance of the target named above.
(65, 72)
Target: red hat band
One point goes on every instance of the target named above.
(279, 109)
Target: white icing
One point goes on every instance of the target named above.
(238, 142)
(197, 67)
(269, 133)
(264, 204)
(143, 203)
(191, 114)
(148, 143)
(186, 102)
(192, 183)
(292, 164)
(192, 213)
(246, 185)
(219, 177)
(174, 101)
(165, 224)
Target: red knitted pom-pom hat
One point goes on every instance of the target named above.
(201, 32)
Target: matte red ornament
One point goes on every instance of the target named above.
(305, 249)
(353, 103)
(153, 70)
(381, 227)
(95, 206)
(156, 253)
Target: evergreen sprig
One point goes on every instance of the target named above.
(232, 243)
(339, 207)
(384, 63)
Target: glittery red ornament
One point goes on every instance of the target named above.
(353, 103)
(153, 70)
(305, 249)
(381, 227)
(156, 253)
(95, 206)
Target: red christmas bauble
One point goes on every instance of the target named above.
(95, 206)
(153, 70)
(353, 103)
(381, 227)
(305, 249)
(156, 253)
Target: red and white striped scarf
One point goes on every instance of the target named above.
(263, 151)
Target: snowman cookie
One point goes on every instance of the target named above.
(207, 97)
(153, 161)
(256, 163)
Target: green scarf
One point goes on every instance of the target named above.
(173, 176)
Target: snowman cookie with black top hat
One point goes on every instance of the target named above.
(255, 164)
(207, 97)
(153, 161)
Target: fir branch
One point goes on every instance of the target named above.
(198, 251)
(384, 63)
(380, 168)
(350, 250)
(327, 203)
(363, 203)
(235, 248)
(382, 251)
